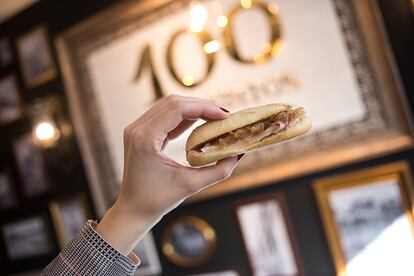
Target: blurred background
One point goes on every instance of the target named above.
(337, 201)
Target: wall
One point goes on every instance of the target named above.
(230, 254)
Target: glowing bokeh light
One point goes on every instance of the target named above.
(198, 17)
(211, 47)
(222, 21)
(188, 80)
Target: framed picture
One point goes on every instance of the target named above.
(147, 48)
(147, 253)
(27, 238)
(219, 273)
(69, 216)
(368, 220)
(267, 236)
(7, 195)
(188, 241)
(31, 165)
(6, 55)
(35, 56)
(10, 101)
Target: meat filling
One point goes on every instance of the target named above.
(251, 133)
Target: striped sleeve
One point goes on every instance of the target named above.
(90, 254)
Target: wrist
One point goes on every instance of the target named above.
(122, 228)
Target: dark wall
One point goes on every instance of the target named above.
(219, 212)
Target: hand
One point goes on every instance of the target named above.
(153, 184)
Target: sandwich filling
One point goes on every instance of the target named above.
(252, 133)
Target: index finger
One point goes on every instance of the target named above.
(177, 111)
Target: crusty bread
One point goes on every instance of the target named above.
(237, 120)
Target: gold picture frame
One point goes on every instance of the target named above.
(336, 226)
(170, 236)
(373, 65)
(35, 57)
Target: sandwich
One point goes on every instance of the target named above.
(244, 131)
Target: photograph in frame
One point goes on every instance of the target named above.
(267, 236)
(10, 102)
(35, 57)
(368, 220)
(31, 166)
(27, 238)
(69, 216)
(147, 253)
(6, 54)
(7, 195)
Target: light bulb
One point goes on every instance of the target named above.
(46, 134)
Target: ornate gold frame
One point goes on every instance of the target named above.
(399, 171)
(49, 74)
(201, 225)
(385, 129)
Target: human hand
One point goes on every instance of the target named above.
(154, 184)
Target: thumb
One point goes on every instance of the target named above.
(207, 176)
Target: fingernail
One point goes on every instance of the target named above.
(240, 156)
(225, 110)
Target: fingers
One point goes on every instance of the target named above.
(183, 126)
(206, 176)
(161, 105)
(179, 109)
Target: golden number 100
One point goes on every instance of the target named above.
(268, 51)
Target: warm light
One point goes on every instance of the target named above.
(188, 80)
(222, 21)
(45, 133)
(198, 16)
(277, 48)
(273, 8)
(168, 249)
(246, 4)
(211, 47)
(266, 47)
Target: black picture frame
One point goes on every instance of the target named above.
(11, 103)
(31, 166)
(8, 197)
(6, 53)
(27, 238)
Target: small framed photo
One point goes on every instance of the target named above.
(31, 165)
(368, 219)
(10, 102)
(35, 57)
(267, 236)
(6, 54)
(69, 216)
(147, 253)
(27, 238)
(188, 241)
(7, 195)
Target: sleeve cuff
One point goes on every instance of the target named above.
(131, 259)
